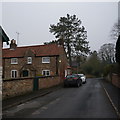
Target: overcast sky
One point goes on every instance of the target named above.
(32, 20)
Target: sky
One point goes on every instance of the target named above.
(32, 20)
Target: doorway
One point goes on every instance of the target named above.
(25, 73)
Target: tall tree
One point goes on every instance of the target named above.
(107, 53)
(72, 35)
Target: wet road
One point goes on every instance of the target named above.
(87, 101)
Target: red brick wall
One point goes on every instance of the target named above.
(48, 82)
(36, 63)
(0, 52)
(63, 64)
(44, 66)
(116, 80)
(0, 65)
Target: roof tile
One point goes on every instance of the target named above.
(38, 50)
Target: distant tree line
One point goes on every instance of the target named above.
(104, 61)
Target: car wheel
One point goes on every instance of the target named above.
(65, 85)
(78, 84)
(81, 83)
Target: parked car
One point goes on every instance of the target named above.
(72, 80)
(83, 77)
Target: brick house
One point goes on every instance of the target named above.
(31, 61)
(3, 38)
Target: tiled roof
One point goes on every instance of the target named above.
(39, 50)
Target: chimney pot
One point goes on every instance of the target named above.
(13, 44)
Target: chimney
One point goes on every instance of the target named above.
(13, 44)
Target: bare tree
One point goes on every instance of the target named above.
(107, 53)
(115, 32)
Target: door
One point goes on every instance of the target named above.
(25, 73)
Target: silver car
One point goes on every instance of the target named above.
(83, 77)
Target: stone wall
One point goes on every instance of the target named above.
(116, 80)
(16, 87)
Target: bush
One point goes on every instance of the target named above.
(111, 68)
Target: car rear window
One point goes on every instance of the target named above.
(71, 76)
(81, 75)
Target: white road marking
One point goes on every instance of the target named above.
(36, 113)
(44, 108)
(115, 108)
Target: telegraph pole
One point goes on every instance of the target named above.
(17, 37)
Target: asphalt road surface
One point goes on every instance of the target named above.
(87, 101)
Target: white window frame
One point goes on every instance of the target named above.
(29, 60)
(13, 74)
(46, 72)
(45, 58)
(13, 62)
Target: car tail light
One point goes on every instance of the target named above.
(75, 78)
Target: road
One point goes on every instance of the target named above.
(87, 101)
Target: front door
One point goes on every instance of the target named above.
(25, 73)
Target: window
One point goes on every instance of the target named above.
(46, 72)
(45, 59)
(29, 60)
(14, 61)
(13, 73)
